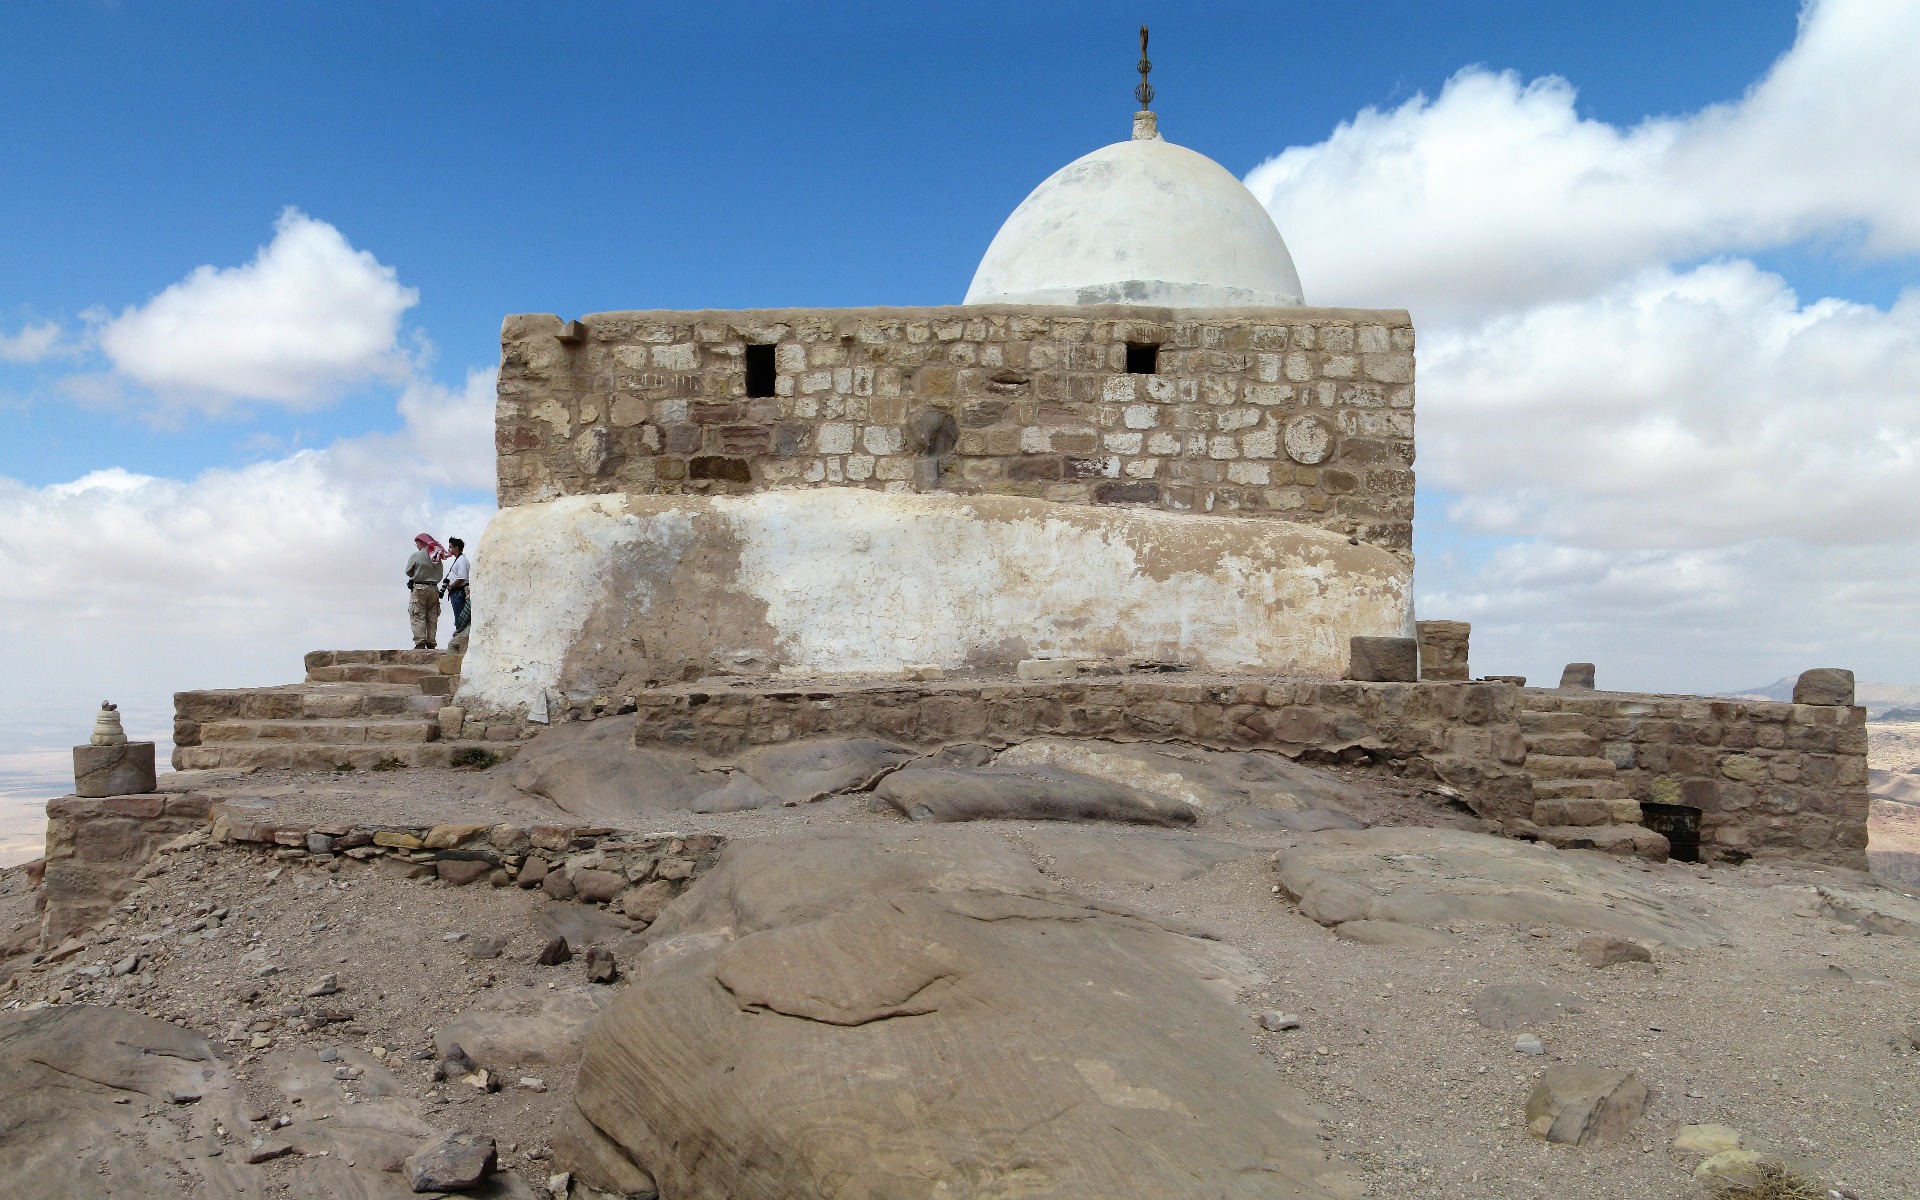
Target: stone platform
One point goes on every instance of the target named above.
(1573, 768)
(1576, 768)
(94, 846)
(356, 708)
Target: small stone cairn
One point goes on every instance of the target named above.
(109, 764)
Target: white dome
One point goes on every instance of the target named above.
(1139, 222)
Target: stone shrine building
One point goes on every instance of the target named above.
(1132, 441)
(1131, 490)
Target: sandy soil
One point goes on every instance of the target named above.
(1893, 827)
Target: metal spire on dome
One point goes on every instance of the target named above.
(1144, 93)
(1145, 124)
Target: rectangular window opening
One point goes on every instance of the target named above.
(1142, 358)
(760, 370)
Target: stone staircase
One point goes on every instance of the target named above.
(1579, 801)
(357, 709)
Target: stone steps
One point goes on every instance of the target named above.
(335, 732)
(407, 673)
(1569, 766)
(1635, 841)
(303, 701)
(296, 756)
(356, 709)
(1551, 722)
(1579, 801)
(409, 658)
(1618, 811)
(1606, 788)
(1563, 745)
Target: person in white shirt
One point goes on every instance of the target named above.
(458, 588)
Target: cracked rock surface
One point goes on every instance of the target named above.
(887, 1012)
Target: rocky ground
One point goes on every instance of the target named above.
(855, 1003)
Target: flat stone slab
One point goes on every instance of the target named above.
(738, 794)
(1879, 910)
(1313, 820)
(1037, 794)
(1432, 877)
(1213, 781)
(1576, 1105)
(1130, 855)
(804, 771)
(591, 770)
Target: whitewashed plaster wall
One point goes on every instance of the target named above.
(598, 595)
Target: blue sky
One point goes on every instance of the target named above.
(582, 157)
(1661, 258)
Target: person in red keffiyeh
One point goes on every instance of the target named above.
(423, 590)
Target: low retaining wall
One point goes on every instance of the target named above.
(634, 874)
(1769, 778)
(1467, 733)
(95, 848)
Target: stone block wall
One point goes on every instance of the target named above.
(1298, 414)
(1467, 734)
(1769, 778)
(636, 874)
(96, 847)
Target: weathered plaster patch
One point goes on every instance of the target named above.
(543, 570)
(581, 593)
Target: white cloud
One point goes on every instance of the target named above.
(1706, 620)
(1686, 467)
(1680, 409)
(449, 434)
(307, 317)
(1497, 193)
(130, 587)
(32, 344)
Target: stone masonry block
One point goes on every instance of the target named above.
(1443, 649)
(122, 770)
(1577, 676)
(1569, 767)
(1573, 812)
(1577, 745)
(1824, 685)
(1383, 660)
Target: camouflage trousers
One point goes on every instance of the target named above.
(423, 608)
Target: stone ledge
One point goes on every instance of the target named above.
(1770, 779)
(1466, 734)
(632, 873)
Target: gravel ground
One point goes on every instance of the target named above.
(1760, 1033)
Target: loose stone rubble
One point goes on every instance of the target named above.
(636, 874)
